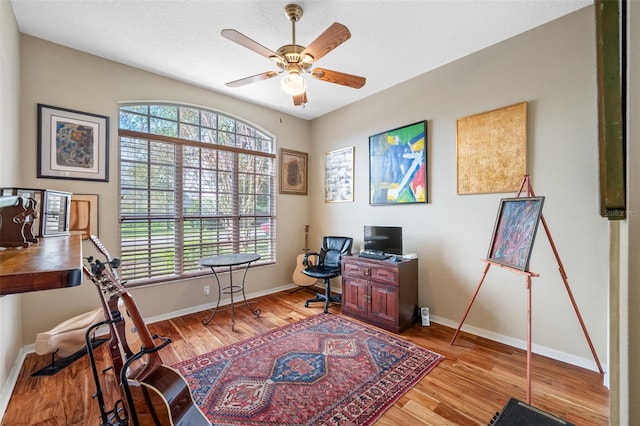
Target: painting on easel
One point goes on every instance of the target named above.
(515, 231)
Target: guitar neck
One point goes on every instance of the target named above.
(141, 327)
(306, 238)
(136, 317)
(115, 347)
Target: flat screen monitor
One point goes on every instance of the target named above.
(383, 239)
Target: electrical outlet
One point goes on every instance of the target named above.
(424, 314)
(205, 289)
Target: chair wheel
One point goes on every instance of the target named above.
(306, 304)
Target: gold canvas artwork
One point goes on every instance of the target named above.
(492, 150)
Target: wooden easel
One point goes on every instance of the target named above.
(527, 183)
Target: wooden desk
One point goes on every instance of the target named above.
(53, 262)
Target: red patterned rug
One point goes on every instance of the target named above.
(323, 370)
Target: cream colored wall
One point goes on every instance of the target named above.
(10, 306)
(58, 76)
(553, 68)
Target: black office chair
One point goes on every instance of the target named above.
(327, 266)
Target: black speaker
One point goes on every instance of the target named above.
(518, 413)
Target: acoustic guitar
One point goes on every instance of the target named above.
(118, 413)
(127, 331)
(109, 302)
(155, 394)
(124, 341)
(298, 277)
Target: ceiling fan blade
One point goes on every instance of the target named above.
(331, 38)
(250, 44)
(253, 79)
(300, 99)
(338, 78)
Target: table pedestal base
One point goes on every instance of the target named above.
(230, 290)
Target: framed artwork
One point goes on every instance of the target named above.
(338, 175)
(72, 144)
(492, 150)
(83, 215)
(293, 172)
(398, 165)
(515, 231)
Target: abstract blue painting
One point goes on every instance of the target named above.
(398, 165)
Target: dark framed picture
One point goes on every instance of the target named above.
(515, 231)
(398, 165)
(72, 144)
(293, 172)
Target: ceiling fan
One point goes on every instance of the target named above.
(295, 60)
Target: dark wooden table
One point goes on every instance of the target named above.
(52, 262)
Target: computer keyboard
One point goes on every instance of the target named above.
(374, 255)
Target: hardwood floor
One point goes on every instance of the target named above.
(473, 382)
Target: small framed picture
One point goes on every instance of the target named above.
(338, 175)
(83, 217)
(515, 231)
(293, 172)
(72, 144)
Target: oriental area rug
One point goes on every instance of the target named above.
(323, 370)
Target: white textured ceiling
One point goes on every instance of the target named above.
(391, 41)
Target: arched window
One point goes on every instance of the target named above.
(193, 183)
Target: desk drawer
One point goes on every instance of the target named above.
(389, 275)
(364, 270)
(355, 269)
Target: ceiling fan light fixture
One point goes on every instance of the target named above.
(293, 83)
(293, 60)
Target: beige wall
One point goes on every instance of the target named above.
(553, 68)
(58, 76)
(10, 312)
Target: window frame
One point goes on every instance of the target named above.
(242, 221)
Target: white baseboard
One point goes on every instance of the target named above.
(7, 390)
(589, 364)
(208, 306)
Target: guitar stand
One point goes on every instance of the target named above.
(111, 417)
(123, 374)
